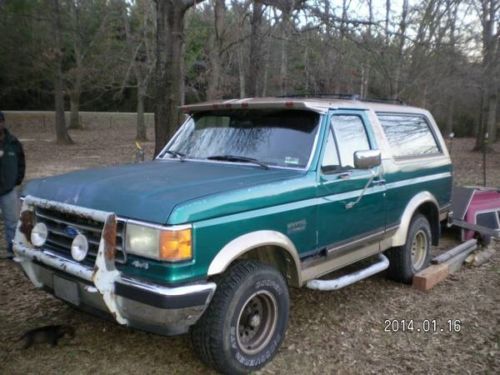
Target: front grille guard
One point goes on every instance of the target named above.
(59, 241)
(103, 274)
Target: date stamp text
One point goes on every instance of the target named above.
(423, 326)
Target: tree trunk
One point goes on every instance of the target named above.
(285, 32)
(215, 52)
(241, 71)
(491, 121)
(452, 19)
(481, 126)
(267, 61)
(330, 80)
(450, 116)
(365, 74)
(62, 136)
(255, 58)
(387, 19)
(141, 135)
(74, 117)
(74, 96)
(489, 69)
(401, 45)
(169, 73)
(306, 69)
(365, 66)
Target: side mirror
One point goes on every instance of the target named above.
(367, 159)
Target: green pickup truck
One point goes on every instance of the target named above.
(249, 198)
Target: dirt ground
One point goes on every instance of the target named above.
(329, 332)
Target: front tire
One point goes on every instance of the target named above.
(245, 323)
(414, 255)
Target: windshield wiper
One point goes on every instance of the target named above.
(243, 159)
(176, 154)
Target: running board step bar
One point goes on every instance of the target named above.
(343, 281)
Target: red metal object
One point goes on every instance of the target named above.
(476, 210)
(482, 204)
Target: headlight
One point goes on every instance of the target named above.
(79, 247)
(162, 244)
(39, 234)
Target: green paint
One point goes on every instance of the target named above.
(225, 201)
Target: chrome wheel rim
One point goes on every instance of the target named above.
(257, 322)
(419, 248)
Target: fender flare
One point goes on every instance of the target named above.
(399, 238)
(253, 240)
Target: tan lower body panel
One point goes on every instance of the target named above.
(326, 264)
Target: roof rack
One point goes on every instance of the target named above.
(384, 100)
(321, 95)
(345, 97)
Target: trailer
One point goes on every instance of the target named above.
(476, 214)
(476, 210)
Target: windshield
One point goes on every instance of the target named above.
(274, 137)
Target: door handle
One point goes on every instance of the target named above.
(344, 175)
(378, 182)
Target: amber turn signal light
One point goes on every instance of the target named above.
(176, 245)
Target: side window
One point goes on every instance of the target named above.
(330, 158)
(408, 135)
(351, 137)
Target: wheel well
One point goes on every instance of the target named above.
(431, 212)
(278, 258)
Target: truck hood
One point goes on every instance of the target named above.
(151, 191)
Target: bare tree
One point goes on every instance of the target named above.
(91, 37)
(216, 42)
(489, 15)
(287, 7)
(401, 47)
(240, 8)
(169, 78)
(142, 58)
(255, 53)
(62, 136)
(76, 87)
(452, 25)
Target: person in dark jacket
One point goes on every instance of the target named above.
(12, 167)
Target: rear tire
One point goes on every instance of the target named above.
(245, 323)
(415, 255)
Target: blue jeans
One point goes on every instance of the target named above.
(10, 213)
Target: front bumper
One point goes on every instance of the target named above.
(104, 291)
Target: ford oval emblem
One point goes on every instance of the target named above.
(71, 231)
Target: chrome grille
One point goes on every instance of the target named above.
(60, 241)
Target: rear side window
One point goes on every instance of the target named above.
(408, 135)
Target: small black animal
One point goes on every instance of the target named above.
(47, 334)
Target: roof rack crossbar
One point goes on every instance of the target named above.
(344, 96)
(384, 100)
(323, 95)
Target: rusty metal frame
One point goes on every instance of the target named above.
(475, 227)
(103, 275)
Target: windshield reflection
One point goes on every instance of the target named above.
(274, 137)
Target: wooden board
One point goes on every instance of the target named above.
(426, 279)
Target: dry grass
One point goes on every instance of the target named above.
(336, 332)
